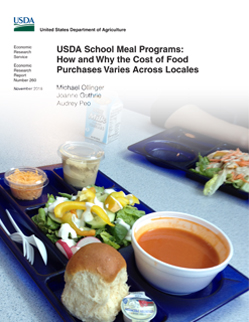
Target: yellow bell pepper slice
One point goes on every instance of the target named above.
(67, 218)
(87, 195)
(123, 201)
(102, 214)
(112, 204)
(65, 206)
(66, 210)
(132, 199)
(117, 200)
(118, 194)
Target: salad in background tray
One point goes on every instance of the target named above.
(95, 214)
(225, 166)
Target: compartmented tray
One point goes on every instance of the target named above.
(178, 148)
(227, 285)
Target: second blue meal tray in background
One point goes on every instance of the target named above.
(178, 148)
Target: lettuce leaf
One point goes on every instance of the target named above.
(109, 239)
(115, 236)
(48, 226)
(213, 184)
(118, 232)
(202, 167)
(130, 214)
(240, 184)
(51, 199)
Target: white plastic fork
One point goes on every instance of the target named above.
(28, 251)
(17, 237)
(31, 240)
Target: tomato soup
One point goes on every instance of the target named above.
(178, 247)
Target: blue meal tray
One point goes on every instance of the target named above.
(178, 148)
(226, 286)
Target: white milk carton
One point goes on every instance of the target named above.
(103, 118)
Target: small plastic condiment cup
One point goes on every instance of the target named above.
(137, 307)
(26, 191)
(80, 162)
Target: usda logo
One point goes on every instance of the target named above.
(24, 24)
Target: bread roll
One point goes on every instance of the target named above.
(95, 283)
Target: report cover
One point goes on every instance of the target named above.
(154, 87)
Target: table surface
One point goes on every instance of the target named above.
(35, 142)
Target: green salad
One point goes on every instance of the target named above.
(95, 212)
